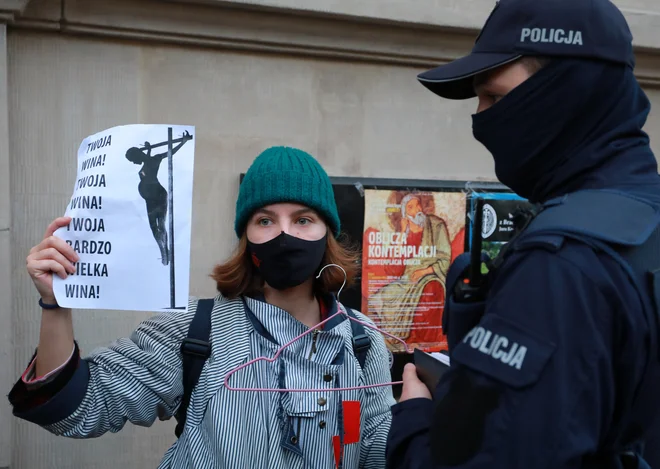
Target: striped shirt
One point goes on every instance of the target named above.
(139, 379)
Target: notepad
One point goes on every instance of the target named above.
(431, 367)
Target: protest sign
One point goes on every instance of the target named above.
(131, 220)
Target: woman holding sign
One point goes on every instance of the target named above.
(273, 289)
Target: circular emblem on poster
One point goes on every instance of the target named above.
(489, 221)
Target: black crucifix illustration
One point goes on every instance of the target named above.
(157, 199)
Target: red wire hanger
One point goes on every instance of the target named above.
(340, 311)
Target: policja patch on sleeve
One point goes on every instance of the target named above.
(494, 358)
(504, 351)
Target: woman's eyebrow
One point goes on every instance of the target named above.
(263, 211)
(303, 211)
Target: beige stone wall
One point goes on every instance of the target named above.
(247, 79)
(6, 293)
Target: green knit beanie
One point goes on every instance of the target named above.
(284, 174)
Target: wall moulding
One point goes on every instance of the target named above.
(230, 26)
(10, 9)
(642, 15)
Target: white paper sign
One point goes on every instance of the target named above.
(131, 217)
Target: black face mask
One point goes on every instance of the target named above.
(286, 261)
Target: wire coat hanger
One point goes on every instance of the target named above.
(340, 311)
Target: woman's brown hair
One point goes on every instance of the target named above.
(239, 276)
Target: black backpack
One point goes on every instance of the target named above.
(196, 348)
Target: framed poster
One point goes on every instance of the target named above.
(408, 242)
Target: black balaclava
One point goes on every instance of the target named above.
(575, 124)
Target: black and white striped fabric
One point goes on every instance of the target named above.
(139, 379)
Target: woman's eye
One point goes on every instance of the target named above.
(264, 222)
(304, 221)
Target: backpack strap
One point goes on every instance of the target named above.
(361, 341)
(195, 349)
(617, 224)
(608, 216)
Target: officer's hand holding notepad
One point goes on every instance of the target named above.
(430, 367)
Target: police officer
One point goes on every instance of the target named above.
(561, 368)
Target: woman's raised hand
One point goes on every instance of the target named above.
(51, 255)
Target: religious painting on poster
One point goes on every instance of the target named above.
(409, 241)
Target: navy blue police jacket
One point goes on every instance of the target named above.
(538, 383)
(545, 377)
(550, 371)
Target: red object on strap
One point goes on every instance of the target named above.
(337, 447)
(351, 422)
(351, 417)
